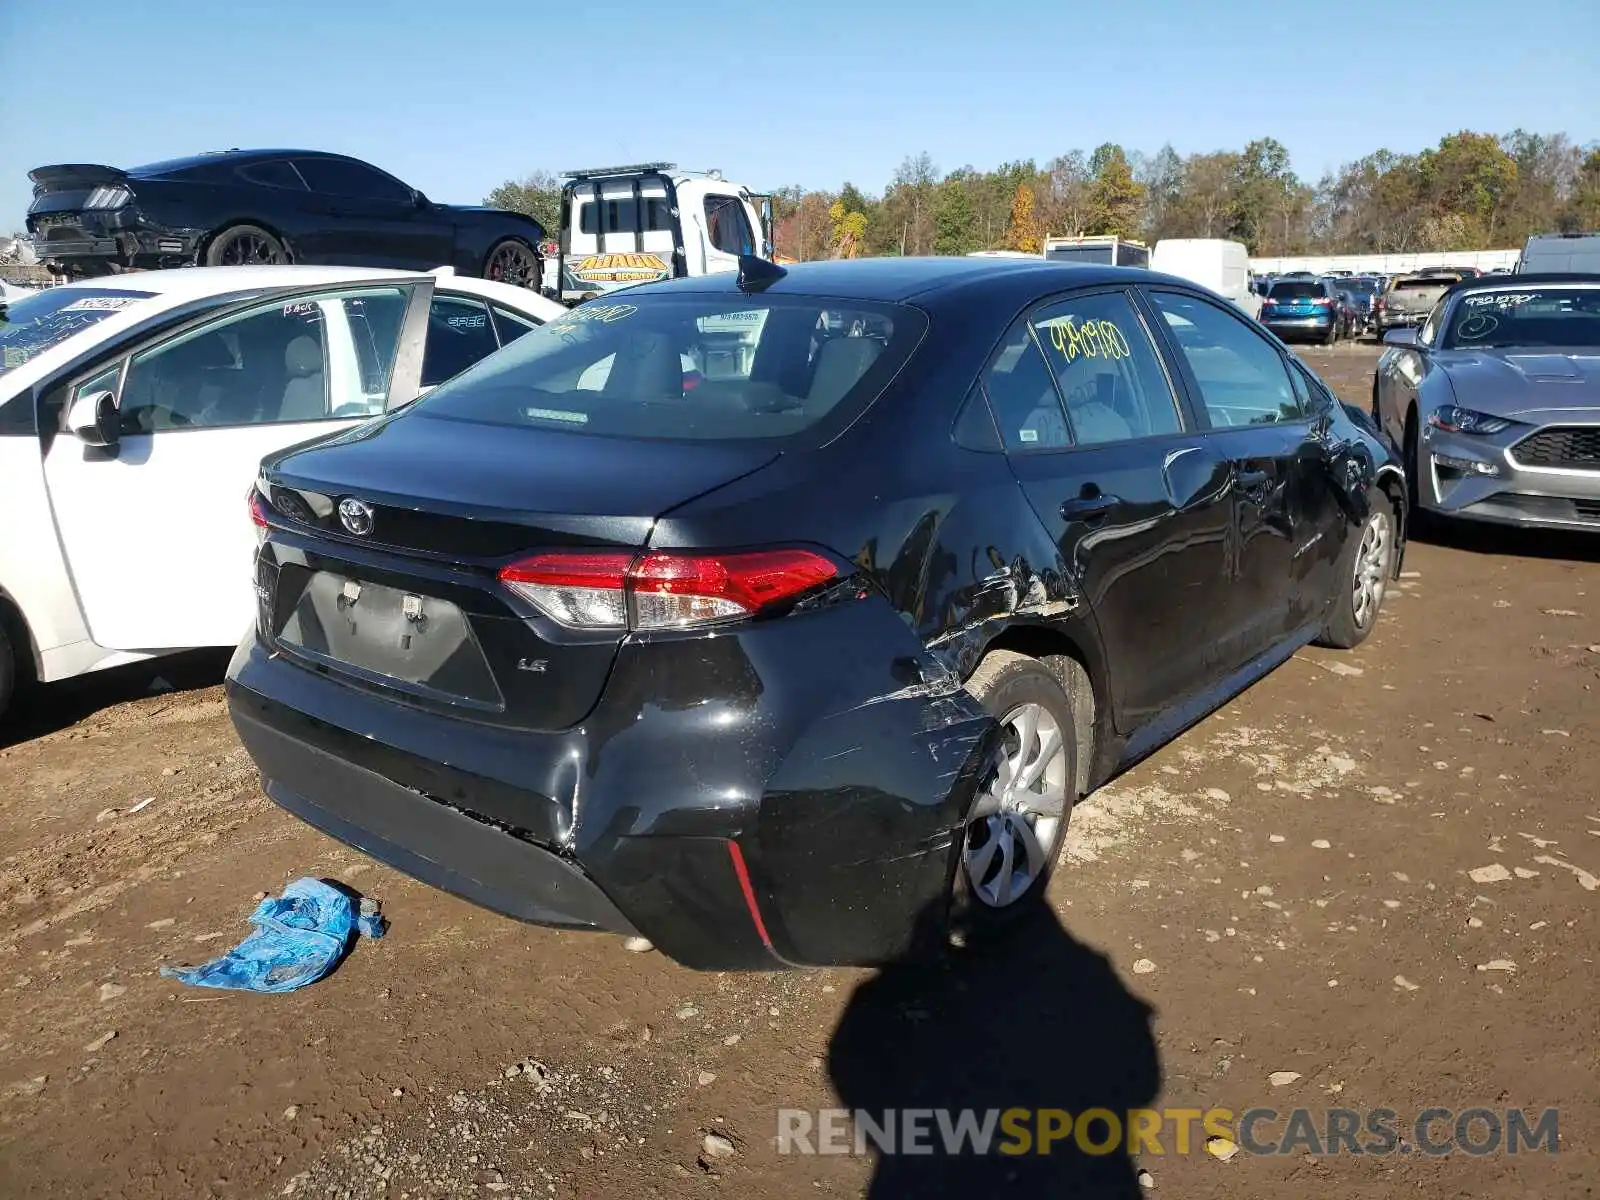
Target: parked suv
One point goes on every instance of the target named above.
(799, 654)
(1307, 309)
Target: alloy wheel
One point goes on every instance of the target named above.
(1017, 822)
(512, 263)
(1371, 569)
(251, 250)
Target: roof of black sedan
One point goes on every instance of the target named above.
(895, 279)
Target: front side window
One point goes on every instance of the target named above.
(459, 334)
(1107, 369)
(727, 226)
(307, 359)
(1240, 374)
(341, 177)
(694, 367)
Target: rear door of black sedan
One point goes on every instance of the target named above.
(1136, 500)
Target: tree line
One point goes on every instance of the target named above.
(1473, 191)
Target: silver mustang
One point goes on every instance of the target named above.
(1496, 401)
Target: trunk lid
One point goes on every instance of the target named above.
(404, 597)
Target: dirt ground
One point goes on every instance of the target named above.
(1285, 889)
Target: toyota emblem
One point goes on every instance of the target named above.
(355, 516)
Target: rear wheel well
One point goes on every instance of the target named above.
(205, 243)
(24, 654)
(1068, 662)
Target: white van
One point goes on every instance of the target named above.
(1214, 263)
(1560, 252)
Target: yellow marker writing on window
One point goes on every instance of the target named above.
(1089, 339)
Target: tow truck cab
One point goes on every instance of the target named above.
(1104, 250)
(649, 221)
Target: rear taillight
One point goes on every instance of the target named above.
(1269, 303)
(108, 197)
(662, 591)
(258, 515)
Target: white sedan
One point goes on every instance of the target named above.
(135, 408)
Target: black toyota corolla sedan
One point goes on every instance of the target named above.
(782, 618)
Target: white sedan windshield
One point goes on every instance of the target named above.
(30, 326)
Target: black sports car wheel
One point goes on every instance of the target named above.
(513, 262)
(245, 246)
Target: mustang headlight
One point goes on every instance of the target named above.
(1454, 419)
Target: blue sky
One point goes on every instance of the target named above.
(455, 98)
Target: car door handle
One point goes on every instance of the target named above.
(1088, 508)
(1250, 478)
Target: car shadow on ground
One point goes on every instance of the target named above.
(1480, 537)
(1038, 1022)
(41, 708)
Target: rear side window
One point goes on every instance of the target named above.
(341, 177)
(1106, 369)
(459, 334)
(278, 173)
(1023, 396)
(726, 223)
(510, 326)
(695, 367)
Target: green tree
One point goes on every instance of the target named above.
(538, 195)
(1469, 175)
(1022, 230)
(1116, 199)
(1582, 211)
(955, 222)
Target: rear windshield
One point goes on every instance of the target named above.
(47, 318)
(1568, 318)
(1294, 291)
(1361, 287)
(1417, 285)
(692, 367)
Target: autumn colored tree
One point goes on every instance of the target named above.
(1022, 230)
(1116, 199)
(848, 229)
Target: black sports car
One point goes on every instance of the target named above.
(239, 207)
(783, 617)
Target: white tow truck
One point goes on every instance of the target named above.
(644, 222)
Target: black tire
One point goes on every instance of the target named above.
(1332, 336)
(1355, 610)
(245, 246)
(513, 261)
(1005, 683)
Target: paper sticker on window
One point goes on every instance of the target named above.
(556, 414)
(1027, 435)
(100, 303)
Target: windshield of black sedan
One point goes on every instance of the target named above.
(1513, 318)
(30, 326)
(693, 366)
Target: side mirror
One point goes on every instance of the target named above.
(420, 200)
(1404, 335)
(93, 419)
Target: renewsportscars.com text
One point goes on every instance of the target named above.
(1259, 1131)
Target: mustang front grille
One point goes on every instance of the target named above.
(1572, 447)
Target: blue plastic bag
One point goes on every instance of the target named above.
(300, 937)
